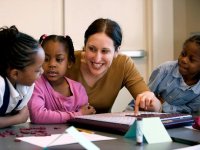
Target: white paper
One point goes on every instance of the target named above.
(190, 127)
(43, 141)
(82, 140)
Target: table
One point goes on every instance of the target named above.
(121, 143)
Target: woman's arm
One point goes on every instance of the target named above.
(137, 87)
(147, 101)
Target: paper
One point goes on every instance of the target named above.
(43, 141)
(153, 131)
(82, 140)
(131, 133)
(196, 147)
(190, 127)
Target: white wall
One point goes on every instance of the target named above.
(34, 17)
(186, 22)
(162, 31)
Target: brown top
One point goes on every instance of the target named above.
(102, 95)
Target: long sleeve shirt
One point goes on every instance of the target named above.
(121, 73)
(48, 106)
(167, 82)
(20, 92)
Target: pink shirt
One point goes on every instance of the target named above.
(48, 106)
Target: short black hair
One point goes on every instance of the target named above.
(65, 40)
(194, 38)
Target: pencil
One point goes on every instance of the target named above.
(84, 130)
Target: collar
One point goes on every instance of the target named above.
(19, 92)
(176, 74)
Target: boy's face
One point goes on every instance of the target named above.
(189, 60)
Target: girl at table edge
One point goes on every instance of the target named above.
(104, 72)
(20, 65)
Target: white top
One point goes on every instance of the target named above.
(16, 94)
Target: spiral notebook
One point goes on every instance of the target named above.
(119, 123)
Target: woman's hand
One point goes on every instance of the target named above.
(147, 101)
(87, 110)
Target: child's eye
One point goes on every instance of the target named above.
(183, 53)
(38, 70)
(192, 59)
(59, 59)
(46, 59)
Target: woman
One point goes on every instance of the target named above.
(104, 72)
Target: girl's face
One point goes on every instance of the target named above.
(99, 53)
(56, 61)
(29, 74)
(189, 60)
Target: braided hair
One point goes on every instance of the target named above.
(17, 49)
(66, 40)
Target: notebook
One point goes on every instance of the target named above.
(185, 135)
(120, 122)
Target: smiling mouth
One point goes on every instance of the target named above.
(181, 68)
(97, 65)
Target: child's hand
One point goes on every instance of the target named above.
(87, 110)
(23, 114)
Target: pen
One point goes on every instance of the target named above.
(84, 130)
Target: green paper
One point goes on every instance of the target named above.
(153, 131)
(131, 133)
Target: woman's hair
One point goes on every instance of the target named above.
(195, 39)
(17, 49)
(107, 26)
(65, 40)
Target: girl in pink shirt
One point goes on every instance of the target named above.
(56, 98)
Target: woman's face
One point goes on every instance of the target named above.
(99, 53)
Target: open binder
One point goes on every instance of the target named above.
(119, 123)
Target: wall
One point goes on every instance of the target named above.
(186, 22)
(162, 31)
(34, 17)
